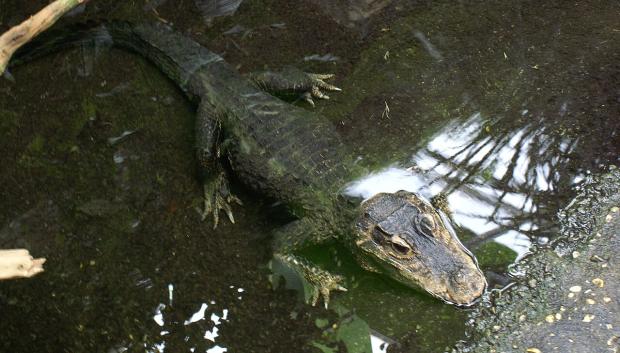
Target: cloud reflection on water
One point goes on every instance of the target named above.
(493, 178)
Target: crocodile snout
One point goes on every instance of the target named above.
(466, 287)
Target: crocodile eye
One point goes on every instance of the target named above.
(400, 246)
(403, 250)
(425, 224)
(379, 236)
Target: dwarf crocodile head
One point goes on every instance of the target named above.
(406, 238)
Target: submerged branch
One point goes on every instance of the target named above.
(21, 34)
(16, 263)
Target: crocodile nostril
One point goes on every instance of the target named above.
(477, 287)
(466, 286)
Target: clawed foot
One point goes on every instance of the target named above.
(217, 196)
(315, 84)
(321, 281)
(291, 80)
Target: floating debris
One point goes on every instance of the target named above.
(236, 29)
(118, 157)
(598, 282)
(239, 29)
(430, 48)
(386, 111)
(114, 91)
(323, 58)
(114, 140)
(209, 9)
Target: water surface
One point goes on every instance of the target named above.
(502, 107)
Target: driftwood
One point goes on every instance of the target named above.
(17, 263)
(24, 32)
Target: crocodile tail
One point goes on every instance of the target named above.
(176, 55)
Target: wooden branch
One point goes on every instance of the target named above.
(19, 263)
(24, 32)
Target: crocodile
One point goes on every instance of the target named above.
(293, 155)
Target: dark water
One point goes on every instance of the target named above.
(504, 107)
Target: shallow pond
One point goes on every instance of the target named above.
(503, 107)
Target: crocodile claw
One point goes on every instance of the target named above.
(324, 285)
(321, 282)
(217, 196)
(316, 85)
(292, 80)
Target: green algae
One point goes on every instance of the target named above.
(494, 256)
(36, 145)
(9, 122)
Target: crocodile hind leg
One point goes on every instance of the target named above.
(294, 81)
(217, 195)
(297, 235)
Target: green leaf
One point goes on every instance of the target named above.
(320, 323)
(355, 334)
(322, 347)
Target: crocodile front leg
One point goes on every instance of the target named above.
(217, 195)
(294, 81)
(297, 235)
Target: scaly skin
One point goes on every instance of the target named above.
(293, 155)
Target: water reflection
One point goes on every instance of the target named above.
(199, 317)
(379, 342)
(495, 179)
(352, 13)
